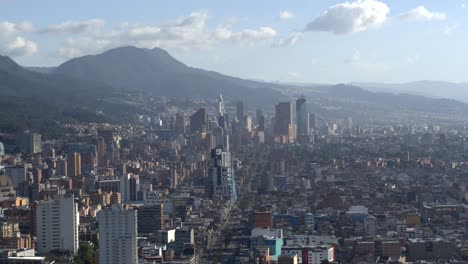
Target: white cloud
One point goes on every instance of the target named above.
(420, 13)
(184, 33)
(290, 41)
(246, 36)
(13, 45)
(26, 26)
(286, 15)
(347, 17)
(19, 47)
(8, 28)
(74, 27)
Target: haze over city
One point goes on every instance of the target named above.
(205, 132)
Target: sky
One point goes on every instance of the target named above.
(304, 41)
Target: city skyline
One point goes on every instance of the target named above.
(300, 41)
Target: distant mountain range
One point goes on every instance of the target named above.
(434, 89)
(38, 97)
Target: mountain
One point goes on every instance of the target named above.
(340, 101)
(157, 72)
(435, 89)
(31, 100)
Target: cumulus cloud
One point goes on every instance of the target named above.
(347, 17)
(290, 41)
(11, 44)
(19, 47)
(246, 36)
(8, 28)
(420, 13)
(74, 27)
(286, 15)
(183, 33)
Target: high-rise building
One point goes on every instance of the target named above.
(129, 187)
(302, 117)
(349, 123)
(150, 219)
(29, 143)
(57, 225)
(179, 126)
(118, 235)
(199, 121)
(240, 111)
(313, 121)
(17, 174)
(220, 105)
(221, 182)
(74, 164)
(284, 127)
(2, 149)
(183, 236)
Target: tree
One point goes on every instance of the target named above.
(85, 254)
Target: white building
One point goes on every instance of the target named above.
(2, 149)
(313, 254)
(57, 225)
(309, 220)
(118, 236)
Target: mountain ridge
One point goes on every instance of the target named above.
(157, 72)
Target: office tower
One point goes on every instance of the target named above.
(313, 121)
(17, 174)
(258, 114)
(240, 111)
(105, 146)
(223, 122)
(134, 188)
(236, 138)
(118, 235)
(220, 105)
(284, 127)
(74, 164)
(57, 225)
(150, 219)
(179, 126)
(61, 167)
(6, 187)
(248, 123)
(29, 143)
(183, 236)
(302, 117)
(349, 123)
(129, 187)
(221, 182)
(199, 121)
(2, 149)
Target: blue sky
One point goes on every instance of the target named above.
(294, 40)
